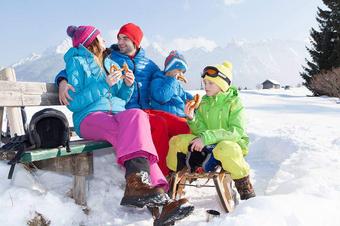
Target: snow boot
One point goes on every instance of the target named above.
(139, 192)
(245, 188)
(173, 211)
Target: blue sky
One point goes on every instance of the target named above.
(34, 25)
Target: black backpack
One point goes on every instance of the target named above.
(48, 128)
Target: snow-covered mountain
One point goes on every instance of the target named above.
(253, 62)
(42, 67)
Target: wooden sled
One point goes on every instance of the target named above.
(222, 183)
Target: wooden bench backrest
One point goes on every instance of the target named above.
(14, 95)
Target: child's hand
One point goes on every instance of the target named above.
(113, 77)
(191, 105)
(129, 78)
(189, 110)
(197, 144)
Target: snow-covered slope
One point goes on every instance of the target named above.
(254, 62)
(294, 156)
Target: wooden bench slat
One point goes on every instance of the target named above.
(76, 148)
(15, 94)
(82, 146)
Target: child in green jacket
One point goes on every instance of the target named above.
(218, 131)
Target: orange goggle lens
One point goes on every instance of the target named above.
(214, 72)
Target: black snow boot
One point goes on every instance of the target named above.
(174, 210)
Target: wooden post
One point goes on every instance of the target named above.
(13, 113)
(1, 117)
(79, 190)
(82, 167)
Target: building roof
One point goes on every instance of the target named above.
(272, 81)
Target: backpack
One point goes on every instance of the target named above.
(48, 128)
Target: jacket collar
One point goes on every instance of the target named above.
(140, 53)
(80, 51)
(83, 52)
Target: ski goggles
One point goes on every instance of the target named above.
(214, 72)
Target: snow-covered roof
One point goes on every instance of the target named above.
(272, 81)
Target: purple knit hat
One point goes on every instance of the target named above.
(84, 35)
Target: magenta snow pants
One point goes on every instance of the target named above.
(130, 135)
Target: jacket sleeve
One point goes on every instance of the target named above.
(163, 89)
(197, 124)
(125, 92)
(186, 96)
(83, 95)
(235, 125)
(59, 77)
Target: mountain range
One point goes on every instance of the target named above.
(253, 62)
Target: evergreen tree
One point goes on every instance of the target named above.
(325, 44)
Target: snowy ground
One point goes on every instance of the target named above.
(294, 156)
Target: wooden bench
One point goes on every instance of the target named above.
(222, 183)
(78, 162)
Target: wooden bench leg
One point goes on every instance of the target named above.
(82, 167)
(1, 118)
(79, 190)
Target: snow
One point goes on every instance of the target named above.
(31, 58)
(294, 156)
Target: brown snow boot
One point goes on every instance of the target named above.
(139, 192)
(173, 211)
(245, 188)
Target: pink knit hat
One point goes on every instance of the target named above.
(84, 35)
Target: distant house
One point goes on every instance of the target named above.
(270, 84)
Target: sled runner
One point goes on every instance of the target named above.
(222, 183)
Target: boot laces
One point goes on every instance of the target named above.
(145, 177)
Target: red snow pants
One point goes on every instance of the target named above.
(164, 126)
